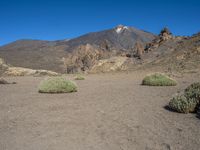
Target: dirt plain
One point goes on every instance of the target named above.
(109, 112)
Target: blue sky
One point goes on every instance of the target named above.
(65, 19)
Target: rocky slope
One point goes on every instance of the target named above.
(175, 54)
(185, 55)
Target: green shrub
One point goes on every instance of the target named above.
(57, 85)
(193, 91)
(158, 80)
(189, 101)
(79, 77)
(182, 104)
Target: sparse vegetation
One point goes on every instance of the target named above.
(158, 79)
(189, 101)
(57, 85)
(79, 77)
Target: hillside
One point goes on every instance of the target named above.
(179, 54)
(34, 54)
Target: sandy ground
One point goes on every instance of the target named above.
(109, 112)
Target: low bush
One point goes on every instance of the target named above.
(182, 104)
(189, 101)
(79, 77)
(158, 80)
(57, 85)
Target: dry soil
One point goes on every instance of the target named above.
(109, 112)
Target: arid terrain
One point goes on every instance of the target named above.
(109, 112)
(99, 75)
(111, 109)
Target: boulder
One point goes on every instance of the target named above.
(3, 81)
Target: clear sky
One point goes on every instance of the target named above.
(65, 19)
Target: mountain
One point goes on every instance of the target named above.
(73, 55)
(120, 37)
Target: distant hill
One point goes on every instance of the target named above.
(34, 54)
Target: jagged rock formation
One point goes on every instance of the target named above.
(139, 48)
(164, 35)
(84, 57)
(3, 66)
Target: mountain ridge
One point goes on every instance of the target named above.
(127, 45)
(51, 55)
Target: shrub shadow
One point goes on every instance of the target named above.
(198, 115)
(169, 109)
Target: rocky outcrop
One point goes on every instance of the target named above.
(139, 48)
(164, 35)
(3, 66)
(83, 58)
